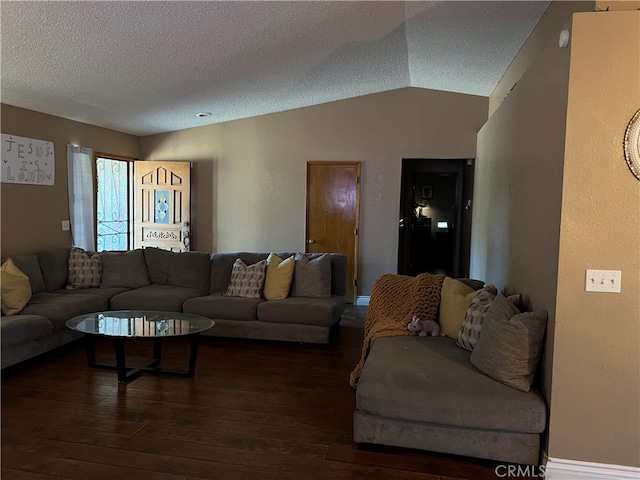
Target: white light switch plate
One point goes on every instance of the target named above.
(66, 225)
(603, 281)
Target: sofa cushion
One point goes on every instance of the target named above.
(312, 277)
(16, 289)
(59, 307)
(17, 329)
(302, 310)
(247, 280)
(168, 298)
(29, 265)
(511, 344)
(55, 268)
(218, 306)
(279, 276)
(124, 269)
(430, 379)
(338, 273)
(106, 293)
(182, 269)
(455, 299)
(471, 282)
(518, 301)
(85, 268)
(472, 325)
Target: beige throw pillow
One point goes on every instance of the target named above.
(16, 290)
(455, 299)
(246, 280)
(511, 344)
(279, 277)
(85, 269)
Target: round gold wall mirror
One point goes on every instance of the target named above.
(632, 145)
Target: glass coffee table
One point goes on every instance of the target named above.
(124, 324)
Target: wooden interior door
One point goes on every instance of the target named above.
(333, 204)
(162, 205)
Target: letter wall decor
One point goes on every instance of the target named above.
(26, 160)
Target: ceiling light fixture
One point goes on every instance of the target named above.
(203, 114)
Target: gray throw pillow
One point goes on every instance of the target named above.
(124, 269)
(472, 324)
(511, 344)
(312, 277)
(247, 280)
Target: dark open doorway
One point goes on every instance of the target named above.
(435, 217)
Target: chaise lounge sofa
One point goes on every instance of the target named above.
(433, 393)
(155, 279)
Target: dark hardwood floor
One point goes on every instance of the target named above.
(255, 410)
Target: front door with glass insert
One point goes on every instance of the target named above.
(162, 205)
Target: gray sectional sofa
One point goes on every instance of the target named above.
(155, 279)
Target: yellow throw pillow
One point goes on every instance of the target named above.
(16, 289)
(279, 277)
(455, 299)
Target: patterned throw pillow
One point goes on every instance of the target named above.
(312, 278)
(246, 280)
(279, 277)
(85, 269)
(511, 344)
(472, 325)
(16, 289)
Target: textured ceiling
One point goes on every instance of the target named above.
(149, 67)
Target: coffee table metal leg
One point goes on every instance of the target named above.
(195, 338)
(91, 351)
(157, 351)
(128, 373)
(121, 364)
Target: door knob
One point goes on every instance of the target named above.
(311, 241)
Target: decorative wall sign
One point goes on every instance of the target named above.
(26, 160)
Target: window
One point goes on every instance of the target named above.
(114, 202)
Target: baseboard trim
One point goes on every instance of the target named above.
(362, 301)
(560, 469)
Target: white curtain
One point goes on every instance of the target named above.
(79, 168)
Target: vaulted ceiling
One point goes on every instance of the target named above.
(148, 67)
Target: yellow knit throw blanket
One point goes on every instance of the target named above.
(395, 299)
